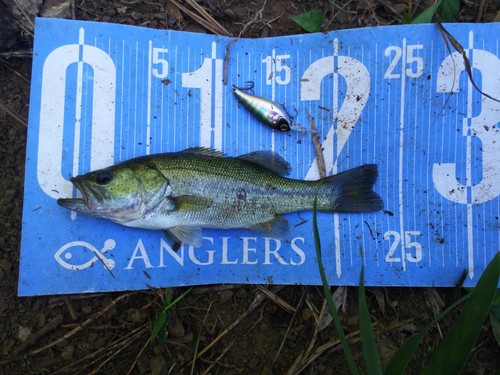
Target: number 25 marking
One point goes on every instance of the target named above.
(408, 244)
(410, 59)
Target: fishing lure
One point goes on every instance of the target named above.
(272, 114)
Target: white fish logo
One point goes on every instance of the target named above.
(63, 256)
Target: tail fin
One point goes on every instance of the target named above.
(354, 190)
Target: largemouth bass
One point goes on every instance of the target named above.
(185, 191)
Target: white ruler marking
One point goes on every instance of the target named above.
(401, 154)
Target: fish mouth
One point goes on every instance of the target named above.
(92, 198)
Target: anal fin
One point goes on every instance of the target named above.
(278, 228)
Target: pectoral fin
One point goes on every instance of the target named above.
(186, 235)
(191, 203)
(275, 228)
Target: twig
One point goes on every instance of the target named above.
(139, 355)
(124, 345)
(80, 327)
(217, 360)
(50, 326)
(198, 338)
(70, 308)
(226, 61)
(218, 29)
(320, 160)
(73, 9)
(448, 37)
(208, 17)
(480, 12)
(20, 53)
(258, 299)
(121, 341)
(258, 15)
(25, 16)
(277, 300)
(301, 301)
(353, 337)
(13, 114)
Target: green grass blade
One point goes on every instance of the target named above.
(329, 300)
(370, 349)
(161, 319)
(158, 325)
(427, 15)
(449, 10)
(177, 299)
(495, 326)
(451, 355)
(402, 357)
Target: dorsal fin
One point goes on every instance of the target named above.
(204, 151)
(269, 160)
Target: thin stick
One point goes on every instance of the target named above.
(121, 341)
(80, 327)
(50, 326)
(13, 114)
(277, 300)
(259, 297)
(226, 61)
(353, 337)
(25, 16)
(258, 15)
(222, 354)
(202, 21)
(198, 338)
(208, 17)
(301, 301)
(320, 160)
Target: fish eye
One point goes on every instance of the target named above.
(104, 177)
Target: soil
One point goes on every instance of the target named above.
(234, 329)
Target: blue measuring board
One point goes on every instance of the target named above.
(394, 96)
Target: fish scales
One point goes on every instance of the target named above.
(185, 191)
(243, 193)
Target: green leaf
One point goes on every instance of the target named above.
(496, 300)
(449, 10)
(495, 327)
(402, 357)
(451, 355)
(406, 18)
(328, 296)
(427, 15)
(370, 349)
(310, 21)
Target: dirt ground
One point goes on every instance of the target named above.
(239, 329)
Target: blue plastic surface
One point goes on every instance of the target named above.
(103, 93)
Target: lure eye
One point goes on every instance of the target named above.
(283, 126)
(104, 177)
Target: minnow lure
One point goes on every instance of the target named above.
(272, 114)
